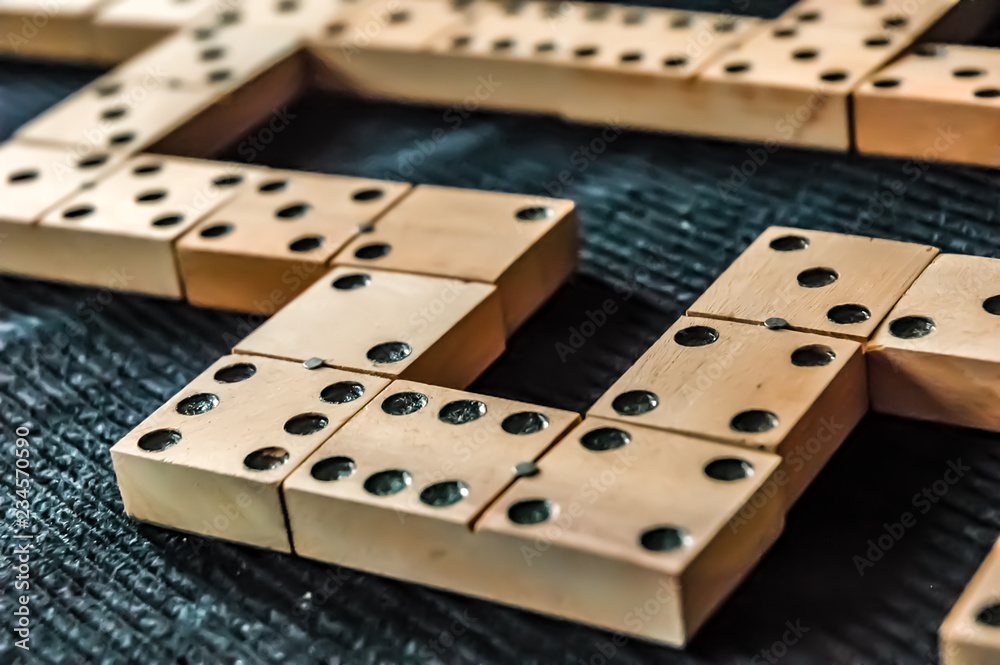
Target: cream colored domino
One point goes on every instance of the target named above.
(791, 83)
(815, 281)
(439, 331)
(33, 180)
(125, 28)
(123, 231)
(970, 635)
(619, 516)
(308, 18)
(59, 30)
(262, 249)
(937, 103)
(935, 356)
(211, 460)
(794, 394)
(397, 489)
(526, 246)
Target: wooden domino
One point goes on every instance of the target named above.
(397, 490)
(815, 281)
(937, 103)
(125, 28)
(123, 231)
(429, 329)
(970, 635)
(274, 239)
(526, 246)
(935, 357)
(212, 459)
(60, 30)
(33, 180)
(794, 394)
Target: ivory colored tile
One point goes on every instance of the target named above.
(622, 514)
(526, 246)
(308, 18)
(33, 180)
(396, 490)
(791, 83)
(794, 394)
(272, 241)
(125, 28)
(828, 283)
(212, 459)
(937, 103)
(935, 356)
(439, 331)
(48, 29)
(970, 635)
(122, 231)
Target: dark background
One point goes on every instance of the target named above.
(81, 367)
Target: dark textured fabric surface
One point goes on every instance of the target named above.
(80, 367)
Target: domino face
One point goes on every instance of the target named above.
(211, 460)
(275, 238)
(819, 282)
(396, 491)
(526, 246)
(128, 223)
(794, 394)
(939, 102)
(637, 513)
(970, 635)
(125, 28)
(434, 330)
(935, 356)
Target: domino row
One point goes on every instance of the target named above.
(833, 75)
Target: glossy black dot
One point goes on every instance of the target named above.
(789, 243)
(848, 314)
(444, 494)
(229, 180)
(403, 404)
(809, 17)
(805, 54)
(675, 61)
(93, 161)
(168, 220)
(216, 230)
(332, 468)
(728, 469)
(342, 392)
(152, 196)
(911, 327)
(292, 211)
(989, 616)
(530, 511)
(115, 113)
(784, 33)
(895, 22)
(462, 411)
(585, 52)
(631, 56)
(351, 282)
(306, 244)
(389, 352)
(605, 438)
(887, 83)
(219, 75)
(876, 42)
(121, 138)
(524, 422)
(987, 93)
(266, 459)
(78, 212)
(662, 539)
(306, 423)
(147, 169)
(967, 72)
(813, 278)
(236, 373)
(372, 251)
(753, 421)
(213, 53)
(387, 483)
(272, 186)
(26, 175)
(834, 76)
(159, 439)
(108, 89)
(681, 22)
(197, 404)
(737, 67)
(533, 213)
(992, 305)
(696, 336)
(370, 194)
(635, 402)
(813, 355)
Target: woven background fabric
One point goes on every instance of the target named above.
(80, 367)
